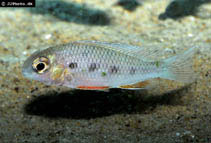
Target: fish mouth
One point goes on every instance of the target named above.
(28, 75)
(27, 68)
(25, 73)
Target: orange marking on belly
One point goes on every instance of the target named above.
(93, 87)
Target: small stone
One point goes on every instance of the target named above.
(190, 35)
(16, 89)
(48, 36)
(168, 50)
(177, 134)
(24, 53)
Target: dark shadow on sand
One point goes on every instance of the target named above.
(71, 12)
(129, 5)
(180, 8)
(92, 104)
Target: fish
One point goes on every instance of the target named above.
(97, 65)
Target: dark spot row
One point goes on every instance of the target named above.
(95, 66)
(73, 65)
(132, 70)
(113, 69)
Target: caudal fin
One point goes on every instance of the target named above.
(180, 67)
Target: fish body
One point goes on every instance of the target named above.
(95, 65)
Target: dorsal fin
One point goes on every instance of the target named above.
(142, 53)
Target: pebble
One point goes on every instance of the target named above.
(24, 53)
(138, 28)
(168, 50)
(190, 35)
(177, 134)
(48, 36)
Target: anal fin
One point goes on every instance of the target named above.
(136, 86)
(103, 88)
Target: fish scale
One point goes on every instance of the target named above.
(103, 64)
(107, 58)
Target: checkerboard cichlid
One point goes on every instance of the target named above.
(95, 65)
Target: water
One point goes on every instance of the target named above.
(172, 112)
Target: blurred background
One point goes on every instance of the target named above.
(171, 112)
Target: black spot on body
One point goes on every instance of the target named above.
(93, 67)
(73, 65)
(132, 70)
(113, 69)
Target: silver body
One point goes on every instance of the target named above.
(84, 64)
(113, 68)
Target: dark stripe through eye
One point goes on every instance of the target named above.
(73, 65)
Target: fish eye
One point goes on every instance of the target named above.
(41, 65)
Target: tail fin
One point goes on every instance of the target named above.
(180, 67)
